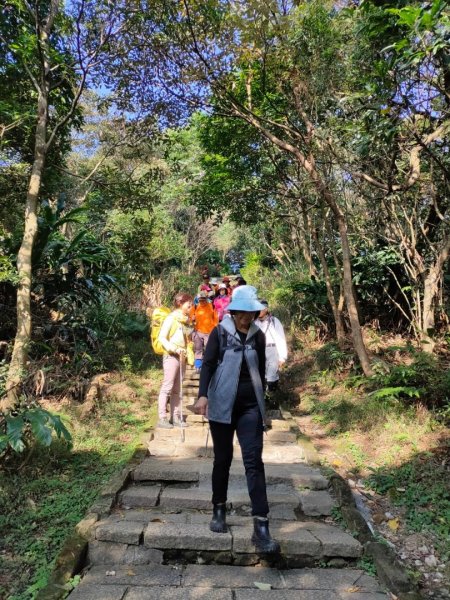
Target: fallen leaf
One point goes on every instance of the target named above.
(393, 524)
(262, 586)
(378, 518)
(353, 589)
(401, 489)
(131, 572)
(110, 573)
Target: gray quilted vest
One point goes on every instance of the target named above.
(224, 383)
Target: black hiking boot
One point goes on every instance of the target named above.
(218, 522)
(261, 537)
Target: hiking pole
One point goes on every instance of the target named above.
(207, 439)
(181, 400)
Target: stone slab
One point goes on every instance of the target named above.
(155, 515)
(126, 532)
(149, 575)
(330, 579)
(281, 437)
(285, 512)
(144, 496)
(255, 594)
(179, 449)
(293, 541)
(334, 541)
(194, 433)
(283, 454)
(280, 425)
(200, 498)
(196, 498)
(316, 503)
(184, 537)
(154, 469)
(216, 576)
(172, 593)
(98, 592)
(363, 596)
(110, 553)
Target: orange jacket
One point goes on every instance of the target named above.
(204, 317)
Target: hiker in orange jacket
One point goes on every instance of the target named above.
(204, 318)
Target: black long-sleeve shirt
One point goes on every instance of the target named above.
(211, 358)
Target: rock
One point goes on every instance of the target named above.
(431, 561)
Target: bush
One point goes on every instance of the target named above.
(423, 378)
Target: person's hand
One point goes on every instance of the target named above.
(281, 364)
(201, 406)
(180, 351)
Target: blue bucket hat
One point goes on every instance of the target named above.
(245, 298)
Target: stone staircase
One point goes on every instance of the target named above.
(156, 543)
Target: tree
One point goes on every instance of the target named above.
(59, 52)
(273, 66)
(394, 124)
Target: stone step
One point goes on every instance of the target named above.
(155, 469)
(310, 503)
(223, 582)
(190, 531)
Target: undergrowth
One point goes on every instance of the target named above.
(389, 428)
(43, 500)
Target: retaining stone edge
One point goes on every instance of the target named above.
(391, 573)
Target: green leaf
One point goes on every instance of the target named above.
(14, 431)
(38, 420)
(60, 429)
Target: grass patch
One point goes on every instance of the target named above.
(422, 486)
(41, 502)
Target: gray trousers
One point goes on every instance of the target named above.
(200, 340)
(171, 386)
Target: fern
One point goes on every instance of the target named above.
(396, 392)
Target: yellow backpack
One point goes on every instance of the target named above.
(158, 317)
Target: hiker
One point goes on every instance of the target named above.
(221, 301)
(204, 318)
(240, 281)
(174, 336)
(205, 286)
(276, 347)
(231, 393)
(226, 281)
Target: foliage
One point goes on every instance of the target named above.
(40, 503)
(24, 427)
(421, 377)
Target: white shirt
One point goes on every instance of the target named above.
(274, 332)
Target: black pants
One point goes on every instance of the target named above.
(247, 422)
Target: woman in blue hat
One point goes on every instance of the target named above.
(231, 393)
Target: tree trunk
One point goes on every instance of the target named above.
(307, 230)
(17, 366)
(337, 314)
(431, 289)
(350, 300)
(308, 164)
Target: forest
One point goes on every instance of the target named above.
(302, 144)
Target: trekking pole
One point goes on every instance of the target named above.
(206, 445)
(182, 436)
